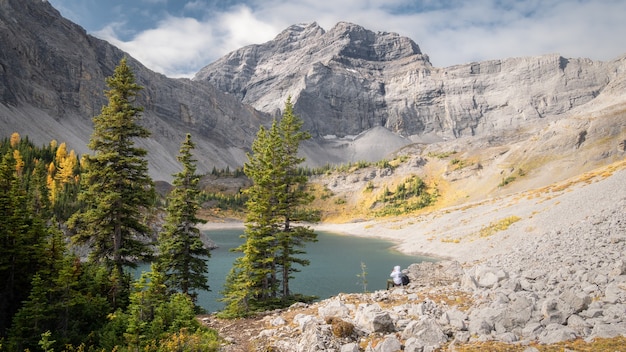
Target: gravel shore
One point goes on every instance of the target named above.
(455, 233)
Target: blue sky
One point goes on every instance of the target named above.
(178, 37)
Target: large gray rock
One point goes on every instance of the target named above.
(425, 332)
(389, 344)
(373, 318)
(334, 308)
(556, 333)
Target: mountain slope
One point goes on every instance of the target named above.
(53, 78)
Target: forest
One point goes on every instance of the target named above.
(73, 228)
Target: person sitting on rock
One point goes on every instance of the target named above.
(396, 277)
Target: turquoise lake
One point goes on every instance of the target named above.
(335, 263)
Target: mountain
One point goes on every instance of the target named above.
(363, 95)
(348, 79)
(52, 79)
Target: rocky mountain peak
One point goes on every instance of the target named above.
(264, 75)
(361, 43)
(300, 32)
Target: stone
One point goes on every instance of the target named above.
(554, 310)
(614, 294)
(554, 333)
(426, 331)
(532, 329)
(412, 344)
(619, 268)
(603, 330)
(507, 337)
(455, 318)
(334, 308)
(484, 276)
(481, 321)
(578, 302)
(373, 319)
(305, 321)
(389, 344)
(462, 336)
(350, 347)
(580, 325)
(278, 321)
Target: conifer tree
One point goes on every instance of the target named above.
(276, 203)
(293, 234)
(22, 234)
(182, 253)
(116, 187)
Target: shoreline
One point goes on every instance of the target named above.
(456, 233)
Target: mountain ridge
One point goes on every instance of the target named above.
(342, 89)
(365, 96)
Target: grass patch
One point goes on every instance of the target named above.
(505, 181)
(409, 195)
(458, 163)
(500, 225)
(442, 155)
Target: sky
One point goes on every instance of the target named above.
(179, 37)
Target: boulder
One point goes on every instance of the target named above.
(333, 308)
(372, 318)
(389, 344)
(554, 333)
(426, 331)
(350, 347)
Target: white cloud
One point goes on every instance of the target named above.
(240, 28)
(450, 32)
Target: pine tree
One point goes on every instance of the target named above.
(116, 187)
(182, 253)
(276, 201)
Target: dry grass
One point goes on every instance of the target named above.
(617, 344)
(497, 226)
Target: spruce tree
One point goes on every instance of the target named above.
(116, 188)
(274, 233)
(293, 235)
(182, 254)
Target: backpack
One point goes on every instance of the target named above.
(405, 279)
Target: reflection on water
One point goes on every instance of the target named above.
(335, 264)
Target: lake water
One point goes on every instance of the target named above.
(335, 264)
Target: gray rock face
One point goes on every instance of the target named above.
(348, 79)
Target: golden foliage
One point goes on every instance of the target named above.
(19, 162)
(15, 139)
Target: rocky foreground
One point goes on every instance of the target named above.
(568, 283)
